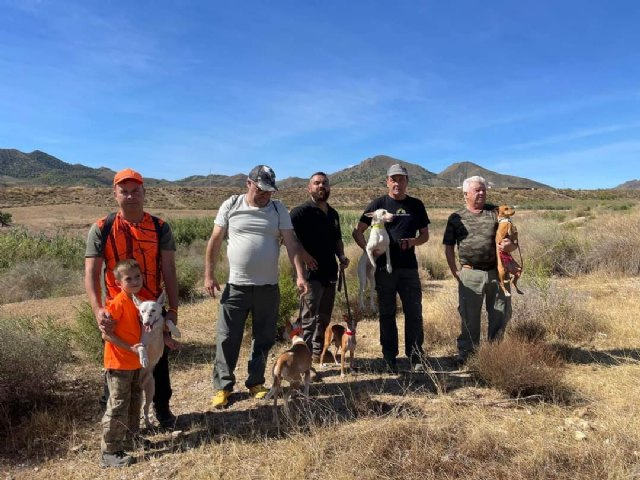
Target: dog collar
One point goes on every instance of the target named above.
(376, 225)
(295, 332)
(348, 332)
(504, 220)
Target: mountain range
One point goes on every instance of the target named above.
(40, 168)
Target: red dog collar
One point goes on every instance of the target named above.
(295, 332)
(349, 332)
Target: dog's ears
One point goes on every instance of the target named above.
(162, 298)
(136, 300)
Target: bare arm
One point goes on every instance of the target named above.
(168, 266)
(358, 235)
(92, 272)
(295, 250)
(211, 259)
(118, 342)
(344, 261)
(450, 254)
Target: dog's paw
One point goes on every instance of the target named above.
(389, 269)
(144, 362)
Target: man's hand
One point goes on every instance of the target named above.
(303, 286)
(211, 285)
(106, 324)
(308, 260)
(171, 315)
(507, 246)
(170, 342)
(344, 262)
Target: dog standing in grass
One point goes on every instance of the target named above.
(294, 366)
(344, 340)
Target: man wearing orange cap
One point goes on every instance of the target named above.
(133, 233)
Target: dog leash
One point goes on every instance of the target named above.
(343, 281)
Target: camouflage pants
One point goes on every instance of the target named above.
(121, 420)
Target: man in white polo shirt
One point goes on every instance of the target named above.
(253, 224)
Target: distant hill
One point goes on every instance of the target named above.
(39, 168)
(630, 185)
(455, 174)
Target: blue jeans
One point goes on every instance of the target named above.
(404, 282)
(237, 301)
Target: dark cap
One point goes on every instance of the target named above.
(397, 169)
(264, 177)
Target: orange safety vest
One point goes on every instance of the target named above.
(140, 241)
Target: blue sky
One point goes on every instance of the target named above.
(547, 90)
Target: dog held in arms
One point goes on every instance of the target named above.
(509, 271)
(294, 366)
(344, 340)
(377, 244)
(153, 323)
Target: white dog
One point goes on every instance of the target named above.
(377, 244)
(153, 323)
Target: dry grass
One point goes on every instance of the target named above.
(372, 424)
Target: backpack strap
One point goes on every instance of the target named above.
(105, 230)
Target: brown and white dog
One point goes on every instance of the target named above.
(377, 244)
(508, 269)
(153, 323)
(344, 340)
(294, 366)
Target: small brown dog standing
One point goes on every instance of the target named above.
(294, 366)
(509, 271)
(344, 339)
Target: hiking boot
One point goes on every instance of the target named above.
(220, 399)
(258, 392)
(117, 459)
(165, 418)
(460, 362)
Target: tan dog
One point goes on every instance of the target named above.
(509, 271)
(344, 339)
(294, 366)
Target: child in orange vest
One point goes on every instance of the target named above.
(121, 420)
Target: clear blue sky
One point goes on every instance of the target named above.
(548, 90)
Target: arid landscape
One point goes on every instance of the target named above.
(563, 403)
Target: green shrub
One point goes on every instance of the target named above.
(19, 245)
(190, 277)
(187, 230)
(30, 358)
(5, 219)
(42, 278)
(86, 334)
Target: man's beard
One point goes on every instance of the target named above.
(320, 196)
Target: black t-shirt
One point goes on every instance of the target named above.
(401, 227)
(319, 234)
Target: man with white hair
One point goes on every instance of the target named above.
(473, 229)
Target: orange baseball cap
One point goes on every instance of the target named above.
(127, 174)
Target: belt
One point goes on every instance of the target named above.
(471, 267)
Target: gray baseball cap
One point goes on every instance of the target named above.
(264, 177)
(397, 169)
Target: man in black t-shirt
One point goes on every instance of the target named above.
(403, 280)
(317, 226)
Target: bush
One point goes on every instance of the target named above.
(561, 313)
(86, 334)
(521, 369)
(5, 219)
(31, 355)
(18, 245)
(190, 274)
(187, 230)
(42, 278)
